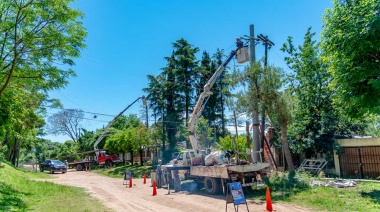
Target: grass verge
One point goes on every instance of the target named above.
(20, 192)
(119, 171)
(295, 189)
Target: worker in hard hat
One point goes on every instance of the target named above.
(159, 174)
(239, 43)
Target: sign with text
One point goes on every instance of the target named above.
(237, 193)
(127, 175)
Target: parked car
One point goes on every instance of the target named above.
(53, 166)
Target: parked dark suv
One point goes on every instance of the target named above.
(53, 166)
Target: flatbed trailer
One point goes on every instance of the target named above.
(216, 177)
(80, 165)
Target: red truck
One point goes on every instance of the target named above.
(102, 158)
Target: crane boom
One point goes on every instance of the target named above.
(110, 123)
(202, 100)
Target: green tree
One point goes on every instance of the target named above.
(204, 133)
(141, 141)
(315, 118)
(373, 127)
(185, 65)
(35, 36)
(248, 99)
(351, 43)
(214, 109)
(226, 143)
(20, 118)
(133, 138)
(156, 102)
(86, 140)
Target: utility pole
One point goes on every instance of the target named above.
(255, 112)
(268, 44)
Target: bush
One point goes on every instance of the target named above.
(289, 182)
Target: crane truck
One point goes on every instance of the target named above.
(191, 162)
(101, 157)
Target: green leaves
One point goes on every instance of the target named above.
(351, 44)
(38, 42)
(315, 117)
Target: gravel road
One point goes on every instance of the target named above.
(112, 193)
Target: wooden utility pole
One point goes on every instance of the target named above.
(268, 44)
(255, 112)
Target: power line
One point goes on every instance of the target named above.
(86, 118)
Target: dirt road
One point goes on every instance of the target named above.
(112, 193)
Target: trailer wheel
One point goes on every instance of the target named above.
(80, 167)
(212, 185)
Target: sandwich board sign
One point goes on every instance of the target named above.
(127, 177)
(235, 195)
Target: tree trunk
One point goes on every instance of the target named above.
(163, 130)
(131, 157)
(288, 156)
(141, 157)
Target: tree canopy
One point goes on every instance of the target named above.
(351, 45)
(39, 41)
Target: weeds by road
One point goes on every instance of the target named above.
(119, 171)
(20, 192)
(294, 189)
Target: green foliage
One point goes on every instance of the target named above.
(214, 109)
(293, 188)
(35, 36)
(315, 118)
(226, 143)
(171, 92)
(86, 140)
(289, 182)
(351, 42)
(133, 139)
(204, 133)
(119, 171)
(373, 128)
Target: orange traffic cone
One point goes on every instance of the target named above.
(144, 178)
(130, 181)
(154, 189)
(269, 201)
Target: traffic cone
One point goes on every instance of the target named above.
(154, 189)
(144, 178)
(269, 201)
(130, 182)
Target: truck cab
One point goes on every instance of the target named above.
(108, 160)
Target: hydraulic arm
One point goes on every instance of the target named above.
(111, 122)
(202, 100)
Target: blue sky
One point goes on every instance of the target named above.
(128, 39)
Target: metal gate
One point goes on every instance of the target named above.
(360, 162)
